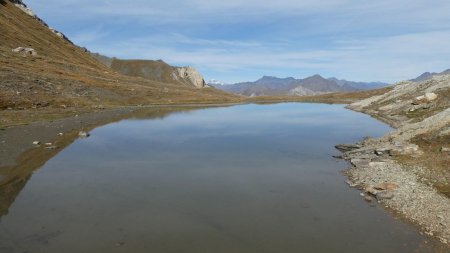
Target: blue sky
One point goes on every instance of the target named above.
(236, 40)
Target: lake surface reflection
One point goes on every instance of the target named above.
(249, 178)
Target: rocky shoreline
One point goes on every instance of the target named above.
(382, 179)
(380, 174)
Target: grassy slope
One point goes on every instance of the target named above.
(63, 74)
(148, 69)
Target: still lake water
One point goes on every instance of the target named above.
(249, 178)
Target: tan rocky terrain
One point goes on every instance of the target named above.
(408, 170)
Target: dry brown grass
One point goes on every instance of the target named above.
(435, 162)
(152, 70)
(63, 74)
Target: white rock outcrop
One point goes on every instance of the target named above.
(25, 51)
(189, 75)
(19, 4)
(430, 96)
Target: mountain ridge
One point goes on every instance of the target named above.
(289, 86)
(155, 70)
(429, 75)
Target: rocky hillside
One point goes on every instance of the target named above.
(409, 102)
(428, 75)
(41, 69)
(154, 70)
(408, 169)
(313, 85)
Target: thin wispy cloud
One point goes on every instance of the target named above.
(243, 40)
(89, 35)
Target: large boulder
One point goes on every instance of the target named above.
(190, 75)
(424, 99)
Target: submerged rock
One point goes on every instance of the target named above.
(351, 184)
(368, 198)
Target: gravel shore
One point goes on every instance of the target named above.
(413, 199)
(396, 169)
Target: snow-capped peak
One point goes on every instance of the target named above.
(215, 82)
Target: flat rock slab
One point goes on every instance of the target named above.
(347, 147)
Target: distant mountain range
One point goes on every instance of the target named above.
(427, 75)
(313, 85)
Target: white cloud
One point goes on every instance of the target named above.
(390, 59)
(358, 40)
(203, 10)
(89, 35)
